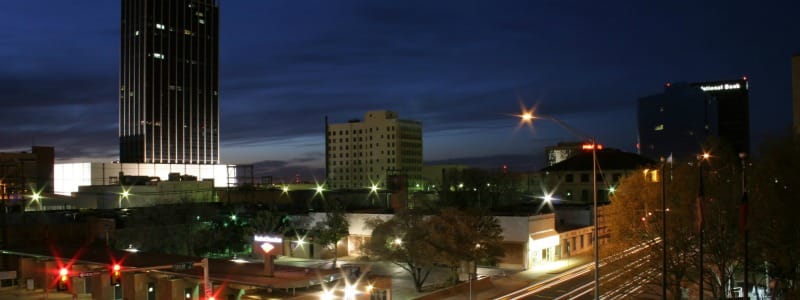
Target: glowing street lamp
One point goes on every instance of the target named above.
(548, 198)
(373, 189)
(319, 189)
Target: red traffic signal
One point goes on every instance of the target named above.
(116, 275)
(63, 279)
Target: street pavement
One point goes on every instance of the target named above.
(504, 280)
(9, 293)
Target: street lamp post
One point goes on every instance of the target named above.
(596, 233)
(664, 228)
(700, 200)
(527, 117)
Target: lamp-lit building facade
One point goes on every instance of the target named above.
(677, 121)
(169, 82)
(561, 151)
(362, 154)
(25, 173)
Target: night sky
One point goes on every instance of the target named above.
(462, 68)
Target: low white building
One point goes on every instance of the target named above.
(67, 177)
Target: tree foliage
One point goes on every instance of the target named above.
(418, 241)
(635, 217)
(476, 188)
(170, 229)
(773, 205)
(460, 236)
(331, 230)
(403, 240)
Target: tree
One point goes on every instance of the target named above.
(635, 217)
(268, 222)
(403, 240)
(774, 205)
(460, 236)
(331, 230)
(476, 188)
(176, 225)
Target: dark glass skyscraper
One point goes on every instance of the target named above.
(169, 82)
(677, 121)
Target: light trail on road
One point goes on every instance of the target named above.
(583, 270)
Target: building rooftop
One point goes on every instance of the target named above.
(608, 159)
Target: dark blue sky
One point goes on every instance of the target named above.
(460, 67)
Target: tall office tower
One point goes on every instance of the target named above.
(169, 82)
(677, 121)
(362, 154)
(796, 91)
(733, 110)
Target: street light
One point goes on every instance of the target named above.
(664, 228)
(700, 198)
(526, 118)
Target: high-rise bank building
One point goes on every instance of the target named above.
(168, 99)
(360, 154)
(677, 121)
(169, 82)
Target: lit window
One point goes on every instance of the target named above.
(160, 26)
(136, 33)
(199, 14)
(659, 127)
(158, 55)
(201, 21)
(187, 32)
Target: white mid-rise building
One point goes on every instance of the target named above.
(364, 154)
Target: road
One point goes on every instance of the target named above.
(615, 277)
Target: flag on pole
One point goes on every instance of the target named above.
(743, 214)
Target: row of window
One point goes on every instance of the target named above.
(359, 139)
(347, 147)
(358, 131)
(359, 162)
(569, 178)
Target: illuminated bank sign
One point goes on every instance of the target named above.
(721, 87)
(268, 244)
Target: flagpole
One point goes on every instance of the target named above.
(664, 228)
(743, 221)
(700, 199)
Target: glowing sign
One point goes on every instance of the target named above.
(721, 87)
(589, 147)
(267, 247)
(268, 239)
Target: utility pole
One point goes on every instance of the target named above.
(664, 228)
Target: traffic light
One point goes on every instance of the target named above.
(63, 280)
(116, 275)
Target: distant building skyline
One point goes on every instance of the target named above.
(362, 154)
(677, 121)
(169, 82)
